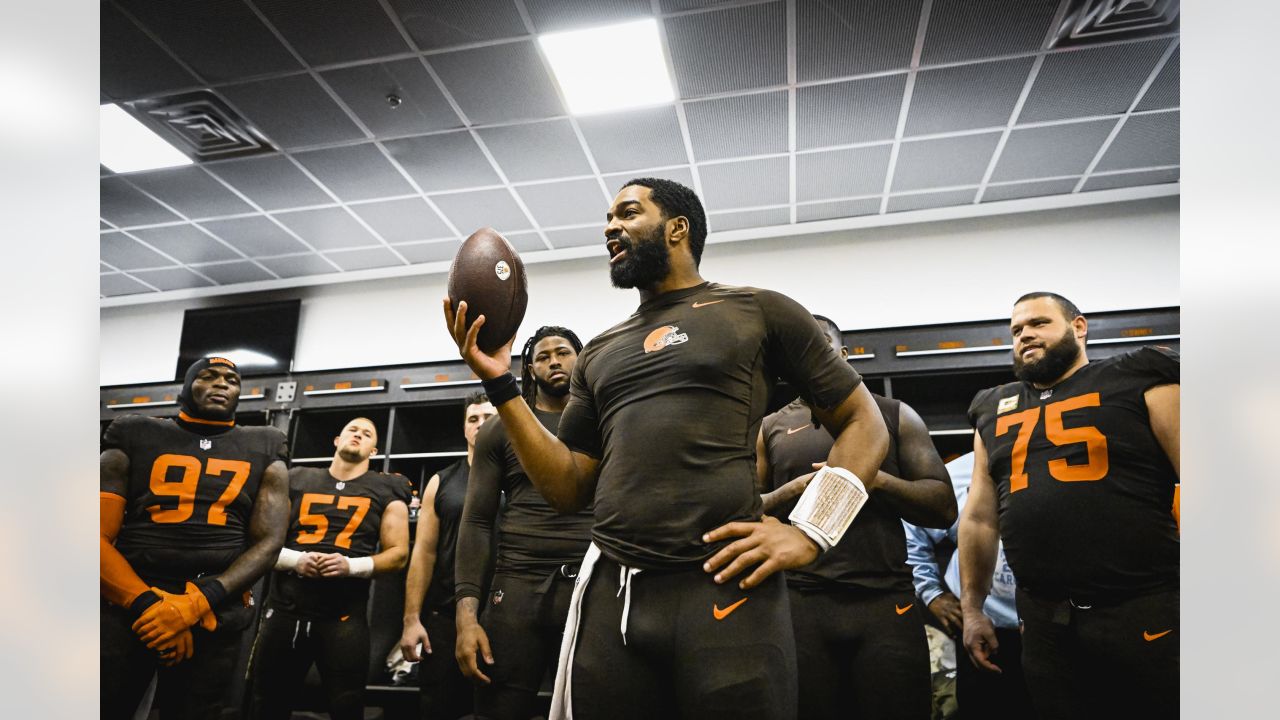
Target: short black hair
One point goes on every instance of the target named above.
(676, 200)
(1068, 308)
(830, 327)
(529, 388)
(376, 435)
(475, 398)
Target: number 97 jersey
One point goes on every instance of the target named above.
(1085, 489)
(189, 496)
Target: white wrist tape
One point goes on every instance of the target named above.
(361, 567)
(288, 559)
(828, 506)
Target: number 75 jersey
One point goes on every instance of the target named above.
(1085, 490)
(189, 496)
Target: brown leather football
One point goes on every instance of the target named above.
(488, 274)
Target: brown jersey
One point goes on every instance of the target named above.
(189, 495)
(1085, 489)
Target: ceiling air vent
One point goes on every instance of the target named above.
(201, 125)
(1093, 21)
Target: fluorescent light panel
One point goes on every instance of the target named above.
(610, 68)
(126, 145)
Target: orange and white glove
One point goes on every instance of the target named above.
(161, 623)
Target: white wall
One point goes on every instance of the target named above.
(1104, 257)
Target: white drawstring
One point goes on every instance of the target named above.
(297, 626)
(624, 585)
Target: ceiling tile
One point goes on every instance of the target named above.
(190, 191)
(943, 162)
(556, 15)
(447, 161)
(425, 252)
(564, 203)
(526, 242)
(739, 219)
(683, 175)
(1131, 179)
(1092, 81)
(355, 172)
(644, 138)
(837, 209)
(105, 268)
(925, 201)
(838, 38)
(841, 173)
(273, 182)
(172, 279)
(725, 50)
(445, 23)
(578, 237)
(292, 111)
(255, 236)
(996, 193)
(132, 65)
(186, 243)
(220, 39)
(670, 6)
(403, 220)
(499, 83)
(971, 29)
(115, 284)
(364, 259)
(1052, 150)
(966, 97)
(327, 228)
(365, 89)
(123, 206)
(1163, 92)
(536, 151)
(125, 253)
(1144, 141)
(299, 265)
(738, 126)
(848, 112)
(333, 31)
(746, 183)
(470, 211)
(235, 272)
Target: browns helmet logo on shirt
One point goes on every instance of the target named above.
(662, 337)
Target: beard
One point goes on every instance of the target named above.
(1057, 359)
(551, 389)
(647, 262)
(350, 455)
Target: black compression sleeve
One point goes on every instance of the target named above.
(484, 485)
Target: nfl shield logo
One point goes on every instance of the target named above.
(205, 443)
(497, 597)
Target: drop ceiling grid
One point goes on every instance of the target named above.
(164, 224)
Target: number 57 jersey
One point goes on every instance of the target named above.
(1085, 489)
(189, 495)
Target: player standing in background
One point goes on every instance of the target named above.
(193, 512)
(429, 587)
(519, 630)
(318, 604)
(1075, 468)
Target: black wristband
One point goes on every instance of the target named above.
(501, 389)
(212, 588)
(145, 599)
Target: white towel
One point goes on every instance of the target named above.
(561, 705)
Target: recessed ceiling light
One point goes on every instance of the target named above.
(610, 68)
(126, 145)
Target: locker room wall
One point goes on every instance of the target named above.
(1105, 257)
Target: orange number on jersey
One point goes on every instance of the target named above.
(318, 522)
(184, 490)
(361, 504)
(1099, 462)
(1027, 419)
(239, 470)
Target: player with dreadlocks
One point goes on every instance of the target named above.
(537, 555)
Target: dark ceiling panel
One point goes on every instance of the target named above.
(448, 161)
(272, 182)
(499, 83)
(966, 97)
(132, 65)
(738, 126)
(734, 49)
(444, 23)
(334, 31)
(849, 112)
(123, 206)
(293, 111)
(839, 38)
(356, 172)
(418, 104)
(190, 191)
(972, 29)
(1092, 81)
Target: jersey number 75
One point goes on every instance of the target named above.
(1095, 442)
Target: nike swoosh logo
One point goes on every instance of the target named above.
(722, 614)
(713, 302)
(902, 610)
(1149, 637)
(793, 431)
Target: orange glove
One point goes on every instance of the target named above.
(182, 647)
(161, 623)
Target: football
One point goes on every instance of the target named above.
(488, 274)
